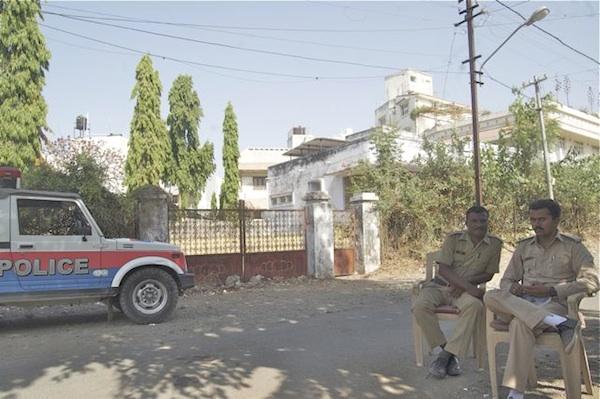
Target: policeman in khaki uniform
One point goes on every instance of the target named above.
(543, 272)
(467, 258)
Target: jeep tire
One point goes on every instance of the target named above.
(148, 295)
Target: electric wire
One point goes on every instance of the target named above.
(550, 34)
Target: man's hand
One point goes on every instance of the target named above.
(516, 289)
(476, 292)
(456, 292)
(537, 289)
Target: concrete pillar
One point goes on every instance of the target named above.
(368, 246)
(152, 214)
(319, 234)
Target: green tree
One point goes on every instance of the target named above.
(81, 170)
(577, 188)
(24, 60)
(513, 169)
(149, 154)
(191, 164)
(231, 154)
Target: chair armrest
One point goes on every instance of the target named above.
(573, 302)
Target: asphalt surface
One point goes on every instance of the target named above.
(284, 342)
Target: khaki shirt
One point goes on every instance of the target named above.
(468, 260)
(566, 265)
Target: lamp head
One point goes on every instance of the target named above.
(537, 15)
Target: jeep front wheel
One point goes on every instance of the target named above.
(148, 295)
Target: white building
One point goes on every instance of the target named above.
(578, 131)
(253, 164)
(408, 91)
(327, 163)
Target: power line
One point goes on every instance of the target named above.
(246, 34)
(229, 46)
(279, 29)
(449, 62)
(550, 34)
(182, 61)
(249, 49)
(114, 17)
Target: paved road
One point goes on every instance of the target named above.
(355, 344)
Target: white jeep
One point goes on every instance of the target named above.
(52, 251)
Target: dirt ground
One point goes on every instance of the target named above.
(212, 311)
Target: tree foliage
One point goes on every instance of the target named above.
(149, 152)
(24, 60)
(83, 172)
(422, 201)
(192, 163)
(231, 154)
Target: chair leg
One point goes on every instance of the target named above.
(479, 343)
(571, 373)
(532, 376)
(491, 350)
(418, 342)
(585, 368)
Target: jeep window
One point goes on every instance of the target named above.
(51, 218)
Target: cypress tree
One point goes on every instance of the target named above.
(191, 164)
(231, 154)
(24, 60)
(149, 152)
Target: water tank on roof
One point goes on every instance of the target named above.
(299, 130)
(81, 123)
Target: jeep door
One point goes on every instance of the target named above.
(54, 246)
(9, 284)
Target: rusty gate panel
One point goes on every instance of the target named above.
(343, 262)
(344, 239)
(275, 264)
(209, 267)
(246, 242)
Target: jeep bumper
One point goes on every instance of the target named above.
(186, 281)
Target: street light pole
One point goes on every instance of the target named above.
(538, 104)
(537, 15)
(473, 83)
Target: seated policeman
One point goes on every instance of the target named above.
(543, 271)
(467, 258)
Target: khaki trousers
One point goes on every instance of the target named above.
(525, 323)
(471, 309)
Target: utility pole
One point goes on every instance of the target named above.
(538, 104)
(473, 74)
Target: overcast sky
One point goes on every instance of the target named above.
(316, 64)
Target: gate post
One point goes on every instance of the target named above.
(368, 247)
(152, 214)
(319, 234)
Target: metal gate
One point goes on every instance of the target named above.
(220, 243)
(344, 242)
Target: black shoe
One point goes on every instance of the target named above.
(453, 368)
(569, 333)
(438, 366)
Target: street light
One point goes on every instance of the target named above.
(537, 15)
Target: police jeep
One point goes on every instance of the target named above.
(52, 252)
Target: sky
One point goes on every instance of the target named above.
(316, 64)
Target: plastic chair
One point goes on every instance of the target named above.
(574, 365)
(444, 312)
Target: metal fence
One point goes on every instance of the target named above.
(203, 232)
(344, 229)
(273, 230)
(207, 232)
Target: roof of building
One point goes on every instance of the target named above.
(315, 145)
